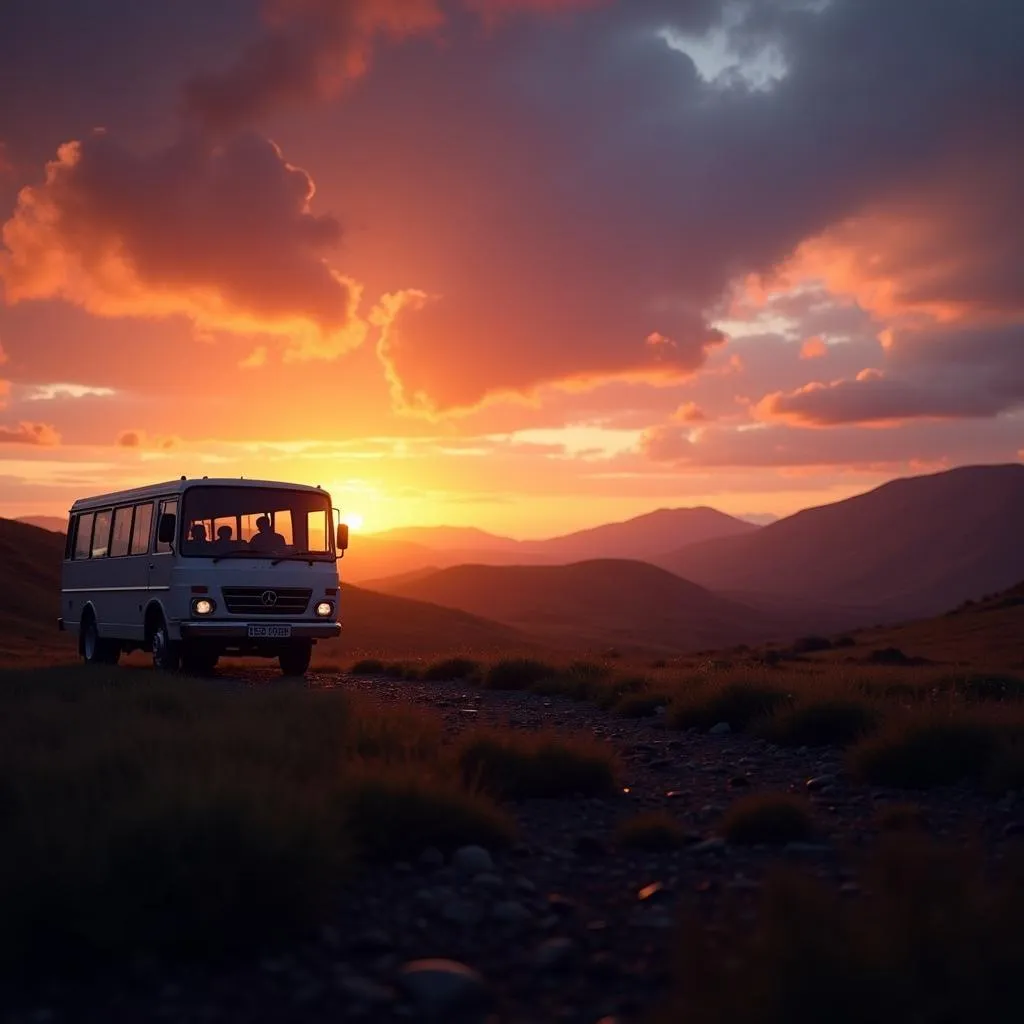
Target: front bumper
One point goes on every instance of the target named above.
(240, 630)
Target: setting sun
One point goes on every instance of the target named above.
(354, 520)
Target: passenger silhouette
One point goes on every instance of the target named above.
(223, 542)
(265, 539)
(198, 533)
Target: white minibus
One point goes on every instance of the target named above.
(196, 568)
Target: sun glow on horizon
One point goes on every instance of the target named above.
(354, 520)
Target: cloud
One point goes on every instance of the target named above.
(689, 412)
(138, 439)
(813, 348)
(51, 392)
(311, 49)
(41, 434)
(223, 235)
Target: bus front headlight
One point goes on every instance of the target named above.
(203, 606)
(324, 608)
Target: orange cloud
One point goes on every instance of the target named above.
(813, 348)
(689, 412)
(223, 235)
(139, 439)
(40, 434)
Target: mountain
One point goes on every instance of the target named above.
(53, 523)
(374, 624)
(914, 546)
(413, 549)
(604, 602)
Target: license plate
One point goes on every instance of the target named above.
(269, 632)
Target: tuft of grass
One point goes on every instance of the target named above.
(704, 705)
(541, 764)
(653, 831)
(449, 669)
(517, 674)
(817, 723)
(401, 813)
(368, 667)
(772, 818)
(904, 817)
(937, 939)
(640, 705)
(977, 686)
(921, 751)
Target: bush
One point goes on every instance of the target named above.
(399, 814)
(640, 705)
(654, 831)
(810, 644)
(401, 671)
(703, 706)
(368, 667)
(451, 669)
(523, 765)
(984, 687)
(936, 940)
(517, 674)
(772, 818)
(819, 723)
(921, 751)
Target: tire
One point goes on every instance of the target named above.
(94, 648)
(295, 658)
(166, 652)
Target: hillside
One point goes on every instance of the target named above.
(373, 623)
(53, 523)
(608, 602)
(914, 546)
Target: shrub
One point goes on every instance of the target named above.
(705, 705)
(368, 667)
(653, 831)
(772, 818)
(517, 674)
(921, 751)
(640, 705)
(451, 669)
(523, 765)
(402, 671)
(935, 941)
(818, 723)
(983, 687)
(810, 644)
(400, 814)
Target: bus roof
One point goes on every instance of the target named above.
(172, 487)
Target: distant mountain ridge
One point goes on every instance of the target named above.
(52, 523)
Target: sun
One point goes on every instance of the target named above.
(354, 520)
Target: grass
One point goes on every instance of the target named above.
(518, 766)
(451, 669)
(640, 705)
(837, 721)
(933, 938)
(654, 831)
(144, 814)
(517, 674)
(770, 818)
(368, 667)
(704, 704)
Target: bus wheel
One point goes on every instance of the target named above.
(166, 653)
(295, 658)
(95, 650)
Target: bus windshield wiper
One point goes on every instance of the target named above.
(299, 556)
(241, 553)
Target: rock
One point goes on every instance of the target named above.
(653, 917)
(1013, 830)
(443, 989)
(561, 905)
(656, 892)
(524, 884)
(713, 845)
(721, 729)
(431, 857)
(510, 912)
(487, 880)
(460, 911)
(472, 860)
(590, 846)
(820, 782)
(812, 849)
(739, 782)
(373, 940)
(554, 954)
(330, 936)
(366, 990)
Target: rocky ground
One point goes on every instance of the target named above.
(565, 926)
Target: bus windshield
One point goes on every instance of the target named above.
(266, 522)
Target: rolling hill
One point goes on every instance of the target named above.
(53, 523)
(914, 546)
(605, 602)
(377, 624)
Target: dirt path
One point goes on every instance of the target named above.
(564, 927)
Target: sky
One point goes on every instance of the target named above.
(528, 265)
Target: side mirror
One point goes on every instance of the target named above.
(342, 536)
(168, 527)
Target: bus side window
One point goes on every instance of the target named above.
(101, 534)
(83, 535)
(69, 538)
(141, 528)
(170, 506)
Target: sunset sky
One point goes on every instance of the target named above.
(523, 264)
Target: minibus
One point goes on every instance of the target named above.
(194, 569)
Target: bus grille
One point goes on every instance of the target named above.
(266, 600)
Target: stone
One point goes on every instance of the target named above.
(510, 912)
(431, 857)
(366, 990)
(472, 860)
(442, 989)
(820, 782)
(713, 845)
(555, 953)
(721, 729)
(590, 846)
(1013, 830)
(460, 911)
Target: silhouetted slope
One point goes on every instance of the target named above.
(30, 560)
(606, 601)
(914, 546)
(52, 523)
